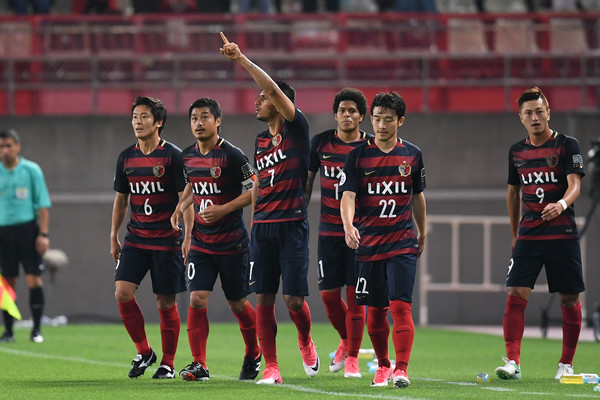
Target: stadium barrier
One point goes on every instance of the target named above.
(73, 64)
(432, 279)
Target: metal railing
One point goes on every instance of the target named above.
(429, 283)
(426, 52)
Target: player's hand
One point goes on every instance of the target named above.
(421, 242)
(176, 220)
(185, 248)
(213, 213)
(230, 49)
(352, 237)
(551, 211)
(42, 244)
(115, 249)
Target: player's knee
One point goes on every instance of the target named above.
(294, 303)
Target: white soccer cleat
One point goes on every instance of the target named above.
(509, 371)
(563, 369)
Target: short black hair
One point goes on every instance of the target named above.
(157, 108)
(287, 89)
(391, 101)
(533, 93)
(205, 102)
(351, 94)
(10, 134)
(212, 105)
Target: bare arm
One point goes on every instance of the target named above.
(347, 210)
(513, 204)
(418, 205)
(309, 185)
(42, 242)
(254, 195)
(185, 200)
(553, 210)
(118, 215)
(188, 223)
(215, 212)
(283, 104)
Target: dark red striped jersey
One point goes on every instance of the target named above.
(153, 182)
(216, 179)
(384, 184)
(282, 164)
(542, 174)
(328, 153)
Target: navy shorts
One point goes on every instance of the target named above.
(17, 245)
(203, 269)
(337, 264)
(381, 281)
(166, 269)
(279, 250)
(562, 259)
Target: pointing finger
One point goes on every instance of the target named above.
(224, 38)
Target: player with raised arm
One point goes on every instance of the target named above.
(149, 176)
(384, 179)
(337, 265)
(216, 172)
(279, 242)
(544, 176)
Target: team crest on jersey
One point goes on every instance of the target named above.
(215, 171)
(404, 169)
(276, 139)
(552, 160)
(158, 170)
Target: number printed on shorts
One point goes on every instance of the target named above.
(191, 271)
(320, 272)
(510, 265)
(361, 286)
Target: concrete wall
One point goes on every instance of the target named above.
(465, 156)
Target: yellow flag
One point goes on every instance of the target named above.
(7, 299)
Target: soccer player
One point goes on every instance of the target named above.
(24, 222)
(544, 173)
(337, 266)
(216, 172)
(385, 176)
(149, 174)
(279, 245)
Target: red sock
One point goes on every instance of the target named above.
(170, 325)
(355, 323)
(379, 331)
(133, 319)
(403, 332)
(336, 312)
(302, 320)
(247, 322)
(513, 323)
(197, 328)
(266, 328)
(571, 326)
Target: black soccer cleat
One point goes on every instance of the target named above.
(250, 368)
(194, 372)
(140, 363)
(164, 372)
(7, 338)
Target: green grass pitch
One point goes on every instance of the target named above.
(92, 361)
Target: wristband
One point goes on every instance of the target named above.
(43, 234)
(563, 204)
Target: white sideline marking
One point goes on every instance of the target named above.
(293, 387)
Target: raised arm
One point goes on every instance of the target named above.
(283, 104)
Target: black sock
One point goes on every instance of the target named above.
(8, 323)
(36, 302)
